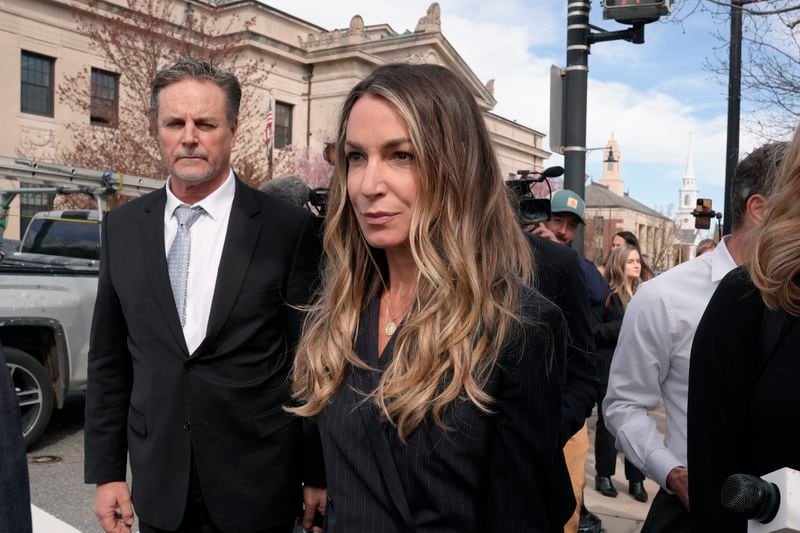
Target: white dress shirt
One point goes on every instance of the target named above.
(208, 237)
(651, 362)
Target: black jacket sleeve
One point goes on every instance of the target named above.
(559, 279)
(722, 377)
(529, 484)
(110, 377)
(301, 286)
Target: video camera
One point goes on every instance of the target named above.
(531, 210)
(318, 197)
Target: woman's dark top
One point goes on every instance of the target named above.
(743, 399)
(608, 321)
(489, 472)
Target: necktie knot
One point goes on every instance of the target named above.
(187, 216)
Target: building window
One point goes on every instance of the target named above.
(283, 124)
(37, 84)
(686, 200)
(105, 97)
(31, 203)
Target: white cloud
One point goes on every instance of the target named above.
(514, 42)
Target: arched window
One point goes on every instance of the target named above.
(686, 200)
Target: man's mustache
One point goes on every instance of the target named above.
(190, 155)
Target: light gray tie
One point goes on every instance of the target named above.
(178, 256)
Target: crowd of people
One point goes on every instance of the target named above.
(418, 361)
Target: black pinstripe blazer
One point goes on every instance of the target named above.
(487, 473)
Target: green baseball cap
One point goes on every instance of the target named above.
(566, 201)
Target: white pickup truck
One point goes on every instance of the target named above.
(46, 304)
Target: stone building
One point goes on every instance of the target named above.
(313, 70)
(609, 209)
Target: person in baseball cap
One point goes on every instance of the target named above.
(568, 211)
(566, 201)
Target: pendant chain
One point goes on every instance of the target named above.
(391, 325)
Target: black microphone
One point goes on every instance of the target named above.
(288, 188)
(552, 172)
(549, 172)
(751, 497)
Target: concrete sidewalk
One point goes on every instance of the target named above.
(622, 514)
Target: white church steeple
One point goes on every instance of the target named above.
(687, 199)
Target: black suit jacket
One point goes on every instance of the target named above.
(743, 399)
(559, 278)
(607, 324)
(489, 472)
(223, 403)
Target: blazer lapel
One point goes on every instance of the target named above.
(237, 252)
(367, 381)
(152, 239)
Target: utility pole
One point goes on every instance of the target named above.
(575, 84)
(576, 78)
(734, 108)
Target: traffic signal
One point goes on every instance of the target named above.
(635, 11)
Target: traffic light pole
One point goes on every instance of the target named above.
(575, 83)
(579, 40)
(734, 109)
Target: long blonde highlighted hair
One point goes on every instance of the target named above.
(775, 267)
(471, 256)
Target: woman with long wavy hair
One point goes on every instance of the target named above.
(745, 363)
(623, 272)
(433, 370)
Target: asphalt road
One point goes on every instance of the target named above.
(57, 487)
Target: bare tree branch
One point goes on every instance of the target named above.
(764, 12)
(770, 74)
(135, 41)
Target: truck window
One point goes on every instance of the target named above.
(64, 237)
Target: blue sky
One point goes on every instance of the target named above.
(651, 96)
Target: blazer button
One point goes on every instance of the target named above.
(189, 367)
(187, 426)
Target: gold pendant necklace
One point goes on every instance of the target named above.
(391, 325)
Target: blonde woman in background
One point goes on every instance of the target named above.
(432, 368)
(622, 270)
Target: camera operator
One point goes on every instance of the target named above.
(568, 211)
(559, 278)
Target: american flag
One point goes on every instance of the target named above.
(268, 131)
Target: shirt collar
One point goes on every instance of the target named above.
(721, 261)
(215, 204)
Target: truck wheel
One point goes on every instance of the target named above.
(34, 392)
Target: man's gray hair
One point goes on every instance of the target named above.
(755, 174)
(190, 68)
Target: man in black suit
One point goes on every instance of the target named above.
(193, 335)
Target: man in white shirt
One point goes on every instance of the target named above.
(651, 362)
